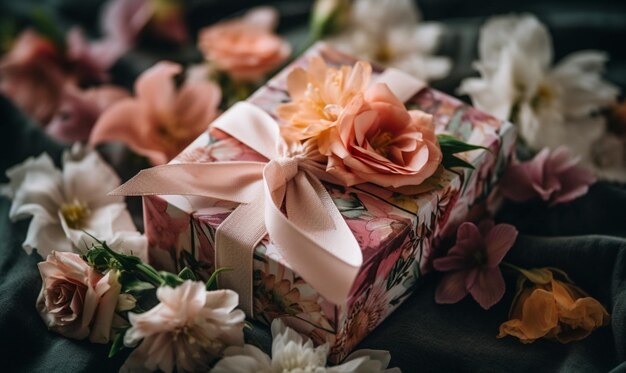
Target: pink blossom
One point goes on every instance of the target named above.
(473, 263)
(161, 120)
(90, 60)
(31, 75)
(554, 177)
(125, 20)
(187, 330)
(35, 71)
(79, 110)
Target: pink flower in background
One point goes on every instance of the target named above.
(75, 301)
(35, 72)
(79, 110)
(125, 20)
(187, 330)
(554, 177)
(31, 75)
(161, 120)
(91, 60)
(473, 264)
(377, 140)
(245, 48)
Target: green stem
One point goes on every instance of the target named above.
(511, 266)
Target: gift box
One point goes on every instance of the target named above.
(398, 234)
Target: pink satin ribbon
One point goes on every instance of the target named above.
(312, 236)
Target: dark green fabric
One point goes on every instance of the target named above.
(586, 238)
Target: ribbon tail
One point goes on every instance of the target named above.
(325, 252)
(229, 181)
(235, 240)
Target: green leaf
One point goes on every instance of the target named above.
(451, 161)
(137, 286)
(170, 279)
(187, 274)
(47, 26)
(118, 343)
(211, 283)
(451, 144)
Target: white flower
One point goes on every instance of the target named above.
(552, 106)
(66, 204)
(290, 353)
(186, 331)
(389, 32)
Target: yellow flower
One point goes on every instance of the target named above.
(552, 309)
(319, 94)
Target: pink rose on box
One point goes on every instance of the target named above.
(377, 140)
(555, 177)
(245, 48)
(76, 301)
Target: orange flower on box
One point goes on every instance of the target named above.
(319, 94)
(552, 309)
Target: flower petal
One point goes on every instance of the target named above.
(451, 288)
(499, 241)
(488, 288)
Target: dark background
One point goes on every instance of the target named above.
(586, 238)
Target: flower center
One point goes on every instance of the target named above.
(544, 95)
(173, 132)
(480, 257)
(384, 53)
(75, 214)
(381, 141)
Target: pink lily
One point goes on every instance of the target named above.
(552, 176)
(161, 120)
(473, 263)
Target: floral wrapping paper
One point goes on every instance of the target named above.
(399, 234)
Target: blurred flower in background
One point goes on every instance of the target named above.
(245, 48)
(162, 119)
(390, 32)
(551, 105)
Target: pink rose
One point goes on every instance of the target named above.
(245, 48)
(377, 140)
(76, 301)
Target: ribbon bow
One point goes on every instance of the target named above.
(312, 235)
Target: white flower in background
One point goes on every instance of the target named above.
(389, 32)
(552, 105)
(187, 330)
(290, 353)
(66, 204)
